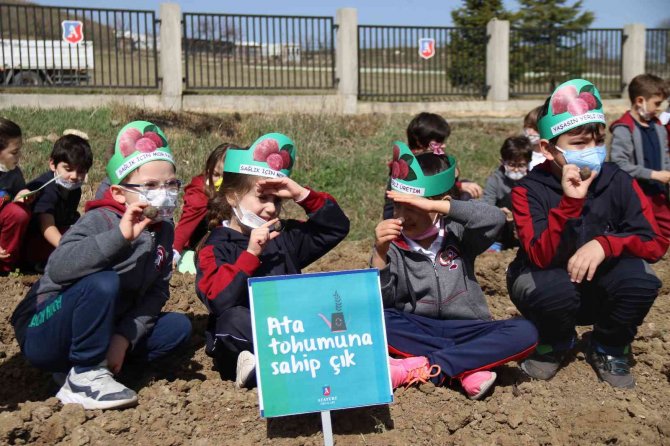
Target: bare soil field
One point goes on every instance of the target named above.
(190, 404)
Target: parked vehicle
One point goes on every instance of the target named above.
(51, 62)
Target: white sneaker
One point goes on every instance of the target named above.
(95, 389)
(246, 368)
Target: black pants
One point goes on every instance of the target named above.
(616, 301)
(227, 336)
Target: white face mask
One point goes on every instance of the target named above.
(247, 218)
(534, 138)
(4, 168)
(664, 117)
(514, 175)
(642, 111)
(67, 184)
(163, 200)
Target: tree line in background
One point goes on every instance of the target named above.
(546, 37)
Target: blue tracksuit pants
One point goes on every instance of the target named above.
(75, 327)
(459, 347)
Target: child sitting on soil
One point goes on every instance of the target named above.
(586, 231)
(55, 207)
(99, 301)
(192, 224)
(640, 144)
(245, 242)
(428, 133)
(434, 307)
(531, 132)
(515, 155)
(14, 212)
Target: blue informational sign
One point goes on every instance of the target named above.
(320, 342)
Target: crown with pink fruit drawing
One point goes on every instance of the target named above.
(407, 176)
(272, 156)
(138, 143)
(573, 104)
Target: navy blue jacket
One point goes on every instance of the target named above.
(224, 264)
(615, 212)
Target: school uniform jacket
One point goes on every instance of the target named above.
(224, 264)
(627, 151)
(193, 213)
(95, 244)
(615, 213)
(448, 288)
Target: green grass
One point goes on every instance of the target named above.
(345, 156)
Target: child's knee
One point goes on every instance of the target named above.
(181, 327)
(16, 214)
(104, 284)
(523, 331)
(528, 293)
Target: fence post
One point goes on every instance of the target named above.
(170, 56)
(346, 59)
(632, 54)
(497, 60)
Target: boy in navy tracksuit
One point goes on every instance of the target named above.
(245, 243)
(434, 307)
(55, 208)
(640, 144)
(587, 232)
(100, 299)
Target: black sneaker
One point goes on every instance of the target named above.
(614, 370)
(543, 363)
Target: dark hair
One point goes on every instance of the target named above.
(9, 130)
(427, 127)
(593, 128)
(432, 164)
(214, 158)
(647, 85)
(531, 118)
(516, 148)
(73, 150)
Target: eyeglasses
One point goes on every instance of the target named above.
(517, 165)
(170, 186)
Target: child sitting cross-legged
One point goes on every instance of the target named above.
(434, 308)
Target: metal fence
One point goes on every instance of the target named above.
(258, 52)
(55, 46)
(409, 63)
(657, 52)
(541, 59)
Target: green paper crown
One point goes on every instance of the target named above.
(272, 155)
(407, 176)
(573, 104)
(139, 142)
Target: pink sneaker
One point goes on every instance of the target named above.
(411, 370)
(478, 383)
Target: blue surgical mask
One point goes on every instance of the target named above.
(592, 158)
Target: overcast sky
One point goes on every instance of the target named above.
(608, 13)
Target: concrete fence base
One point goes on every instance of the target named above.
(309, 104)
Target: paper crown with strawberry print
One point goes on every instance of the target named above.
(271, 156)
(407, 176)
(573, 104)
(138, 143)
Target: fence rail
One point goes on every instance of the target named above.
(390, 66)
(541, 59)
(258, 52)
(657, 52)
(109, 48)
